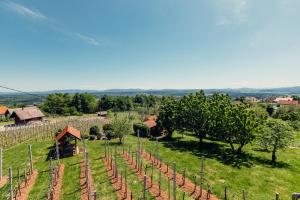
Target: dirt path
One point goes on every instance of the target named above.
(84, 189)
(121, 191)
(154, 188)
(57, 186)
(26, 188)
(188, 186)
(3, 181)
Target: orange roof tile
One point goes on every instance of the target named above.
(3, 110)
(68, 130)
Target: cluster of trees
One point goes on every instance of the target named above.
(67, 104)
(218, 118)
(126, 103)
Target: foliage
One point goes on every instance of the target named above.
(109, 134)
(270, 109)
(66, 104)
(142, 128)
(107, 127)
(276, 134)
(290, 116)
(126, 103)
(194, 114)
(121, 126)
(94, 130)
(93, 137)
(244, 125)
(168, 115)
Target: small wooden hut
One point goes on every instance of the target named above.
(67, 140)
(150, 122)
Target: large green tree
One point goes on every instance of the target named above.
(194, 114)
(121, 126)
(243, 126)
(275, 135)
(168, 115)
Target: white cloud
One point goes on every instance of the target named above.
(35, 14)
(87, 39)
(24, 11)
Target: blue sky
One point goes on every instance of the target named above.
(97, 44)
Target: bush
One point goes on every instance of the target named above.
(94, 130)
(144, 130)
(58, 132)
(107, 127)
(295, 125)
(110, 135)
(93, 137)
(85, 136)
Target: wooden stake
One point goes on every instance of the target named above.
(11, 191)
(1, 156)
(174, 181)
(144, 189)
(169, 189)
(57, 152)
(30, 159)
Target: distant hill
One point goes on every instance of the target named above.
(11, 98)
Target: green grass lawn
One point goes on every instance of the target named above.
(251, 172)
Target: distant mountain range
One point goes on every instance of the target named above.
(176, 92)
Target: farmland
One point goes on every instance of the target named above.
(252, 173)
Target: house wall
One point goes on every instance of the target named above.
(22, 122)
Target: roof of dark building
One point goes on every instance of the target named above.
(27, 113)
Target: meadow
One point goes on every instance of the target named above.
(252, 172)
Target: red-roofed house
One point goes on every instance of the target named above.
(288, 103)
(150, 122)
(65, 137)
(4, 111)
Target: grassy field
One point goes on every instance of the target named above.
(252, 172)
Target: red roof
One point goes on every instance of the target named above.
(286, 102)
(68, 130)
(152, 118)
(3, 110)
(150, 123)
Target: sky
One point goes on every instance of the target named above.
(149, 44)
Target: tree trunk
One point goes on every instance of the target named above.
(232, 147)
(239, 150)
(274, 156)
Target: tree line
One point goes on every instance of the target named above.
(217, 117)
(85, 103)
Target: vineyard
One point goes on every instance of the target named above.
(138, 168)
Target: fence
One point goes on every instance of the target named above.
(10, 136)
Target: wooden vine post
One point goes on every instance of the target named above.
(174, 181)
(201, 175)
(144, 188)
(1, 157)
(11, 191)
(30, 159)
(57, 152)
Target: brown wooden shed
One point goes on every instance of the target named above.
(65, 137)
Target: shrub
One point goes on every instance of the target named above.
(107, 127)
(110, 135)
(93, 137)
(94, 130)
(58, 132)
(144, 130)
(85, 136)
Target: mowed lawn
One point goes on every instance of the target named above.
(252, 172)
